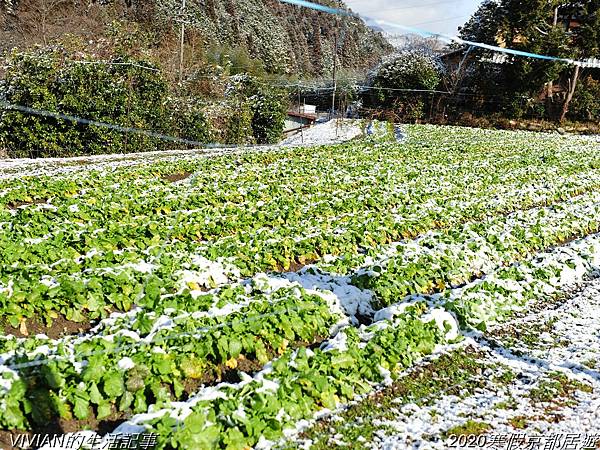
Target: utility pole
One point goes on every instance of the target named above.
(181, 43)
(301, 126)
(550, 86)
(335, 38)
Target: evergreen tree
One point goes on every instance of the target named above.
(536, 26)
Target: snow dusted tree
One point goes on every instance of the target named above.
(536, 26)
(417, 69)
(393, 82)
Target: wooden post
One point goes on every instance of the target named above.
(301, 128)
(550, 86)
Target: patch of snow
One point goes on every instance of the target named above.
(126, 363)
(330, 132)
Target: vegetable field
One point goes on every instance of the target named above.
(232, 300)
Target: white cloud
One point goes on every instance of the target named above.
(439, 16)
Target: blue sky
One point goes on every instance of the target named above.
(440, 16)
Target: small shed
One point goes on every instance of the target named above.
(297, 121)
(308, 109)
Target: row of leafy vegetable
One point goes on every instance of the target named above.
(126, 371)
(428, 264)
(497, 242)
(262, 410)
(337, 207)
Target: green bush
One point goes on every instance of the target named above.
(268, 106)
(238, 124)
(586, 101)
(125, 93)
(128, 93)
(410, 69)
(188, 120)
(231, 122)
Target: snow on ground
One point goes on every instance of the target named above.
(331, 132)
(19, 167)
(542, 379)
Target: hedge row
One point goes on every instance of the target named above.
(124, 92)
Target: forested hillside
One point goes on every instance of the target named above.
(284, 38)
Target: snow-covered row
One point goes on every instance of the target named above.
(539, 281)
(550, 391)
(545, 276)
(330, 132)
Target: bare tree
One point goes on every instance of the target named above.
(43, 20)
(571, 91)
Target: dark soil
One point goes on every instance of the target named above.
(222, 373)
(16, 204)
(294, 266)
(59, 427)
(174, 177)
(60, 327)
(364, 320)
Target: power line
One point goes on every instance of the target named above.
(401, 8)
(181, 44)
(318, 7)
(447, 19)
(110, 63)
(153, 134)
(429, 91)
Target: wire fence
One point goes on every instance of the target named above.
(156, 137)
(407, 106)
(438, 106)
